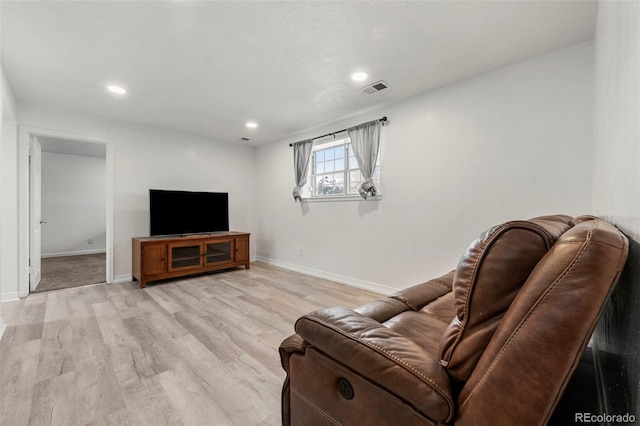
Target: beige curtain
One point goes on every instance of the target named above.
(365, 142)
(301, 156)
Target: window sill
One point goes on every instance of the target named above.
(341, 198)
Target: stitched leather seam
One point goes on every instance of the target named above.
(602, 243)
(425, 338)
(315, 407)
(408, 366)
(529, 315)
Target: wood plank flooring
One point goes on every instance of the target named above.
(195, 351)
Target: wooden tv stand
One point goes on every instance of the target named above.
(158, 258)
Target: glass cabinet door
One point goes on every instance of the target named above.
(185, 256)
(218, 251)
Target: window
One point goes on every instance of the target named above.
(334, 170)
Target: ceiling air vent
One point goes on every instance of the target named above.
(375, 87)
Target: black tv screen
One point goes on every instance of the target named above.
(187, 212)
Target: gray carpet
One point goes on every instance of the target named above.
(72, 271)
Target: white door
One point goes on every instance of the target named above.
(35, 202)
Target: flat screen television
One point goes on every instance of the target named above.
(187, 212)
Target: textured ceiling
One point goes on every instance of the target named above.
(209, 67)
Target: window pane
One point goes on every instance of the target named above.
(329, 154)
(320, 155)
(320, 167)
(315, 185)
(330, 184)
(339, 164)
(355, 180)
(339, 152)
(329, 166)
(353, 163)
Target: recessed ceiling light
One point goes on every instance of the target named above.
(117, 90)
(359, 76)
(252, 124)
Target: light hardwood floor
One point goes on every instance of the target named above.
(196, 351)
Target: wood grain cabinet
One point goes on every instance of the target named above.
(157, 258)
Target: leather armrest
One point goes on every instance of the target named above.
(289, 346)
(292, 345)
(383, 356)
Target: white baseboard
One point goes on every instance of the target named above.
(8, 297)
(73, 253)
(353, 282)
(122, 278)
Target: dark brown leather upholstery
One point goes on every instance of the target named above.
(493, 270)
(493, 342)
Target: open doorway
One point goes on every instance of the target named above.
(61, 150)
(71, 215)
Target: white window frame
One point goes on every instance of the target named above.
(311, 187)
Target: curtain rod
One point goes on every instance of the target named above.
(383, 119)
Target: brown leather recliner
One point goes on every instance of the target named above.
(493, 342)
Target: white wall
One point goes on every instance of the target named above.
(617, 196)
(3, 326)
(617, 113)
(8, 197)
(73, 204)
(9, 211)
(146, 157)
(510, 144)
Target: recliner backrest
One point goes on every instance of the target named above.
(487, 279)
(525, 368)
